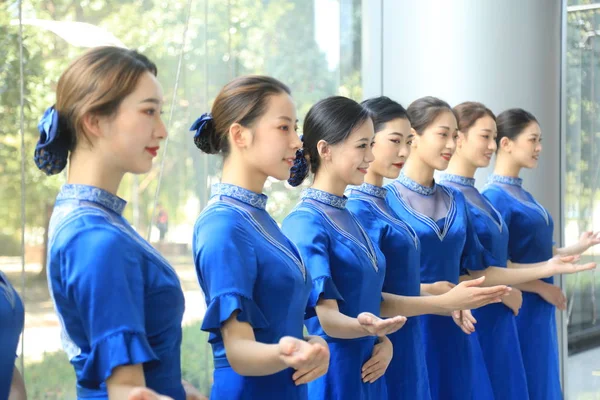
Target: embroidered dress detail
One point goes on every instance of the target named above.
(509, 180)
(93, 194)
(416, 187)
(257, 200)
(325, 198)
(367, 188)
(463, 180)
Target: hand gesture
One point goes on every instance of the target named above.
(564, 265)
(310, 358)
(554, 295)
(376, 366)
(467, 295)
(465, 321)
(376, 326)
(514, 300)
(589, 239)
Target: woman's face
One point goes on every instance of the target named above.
(436, 144)
(391, 148)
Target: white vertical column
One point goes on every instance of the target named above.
(503, 53)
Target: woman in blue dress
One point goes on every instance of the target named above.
(106, 122)
(12, 315)
(530, 241)
(440, 217)
(496, 325)
(254, 279)
(406, 376)
(346, 268)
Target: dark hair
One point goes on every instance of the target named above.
(242, 101)
(96, 82)
(383, 110)
(512, 122)
(469, 112)
(332, 119)
(422, 112)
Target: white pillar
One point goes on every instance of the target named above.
(503, 53)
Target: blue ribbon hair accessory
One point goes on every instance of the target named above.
(202, 126)
(299, 170)
(52, 149)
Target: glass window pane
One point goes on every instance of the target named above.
(582, 209)
(313, 46)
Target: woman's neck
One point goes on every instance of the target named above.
(373, 178)
(85, 168)
(461, 166)
(418, 171)
(329, 184)
(243, 176)
(505, 166)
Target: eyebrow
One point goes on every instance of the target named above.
(444, 127)
(151, 100)
(396, 134)
(363, 140)
(487, 130)
(287, 118)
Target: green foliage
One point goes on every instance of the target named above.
(235, 37)
(10, 245)
(583, 116)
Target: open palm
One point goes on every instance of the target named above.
(566, 265)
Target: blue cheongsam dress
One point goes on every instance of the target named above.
(406, 376)
(245, 263)
(449, 244)
(118, 300)
(496, 323)
(531, 229)
(347, 267)
(12, 317)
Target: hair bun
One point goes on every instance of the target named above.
(52, 149)
(204, 137)
(299, 170)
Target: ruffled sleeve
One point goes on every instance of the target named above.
(120, 348)
(306, 230)
(105, 278)
(221, 308)
(227, 269)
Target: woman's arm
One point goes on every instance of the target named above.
(127, 382)
(586, 240)
(517, 273)
(17, 386)
(465, 295)
(338, 325)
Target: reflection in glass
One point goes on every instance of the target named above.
(313, 46)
